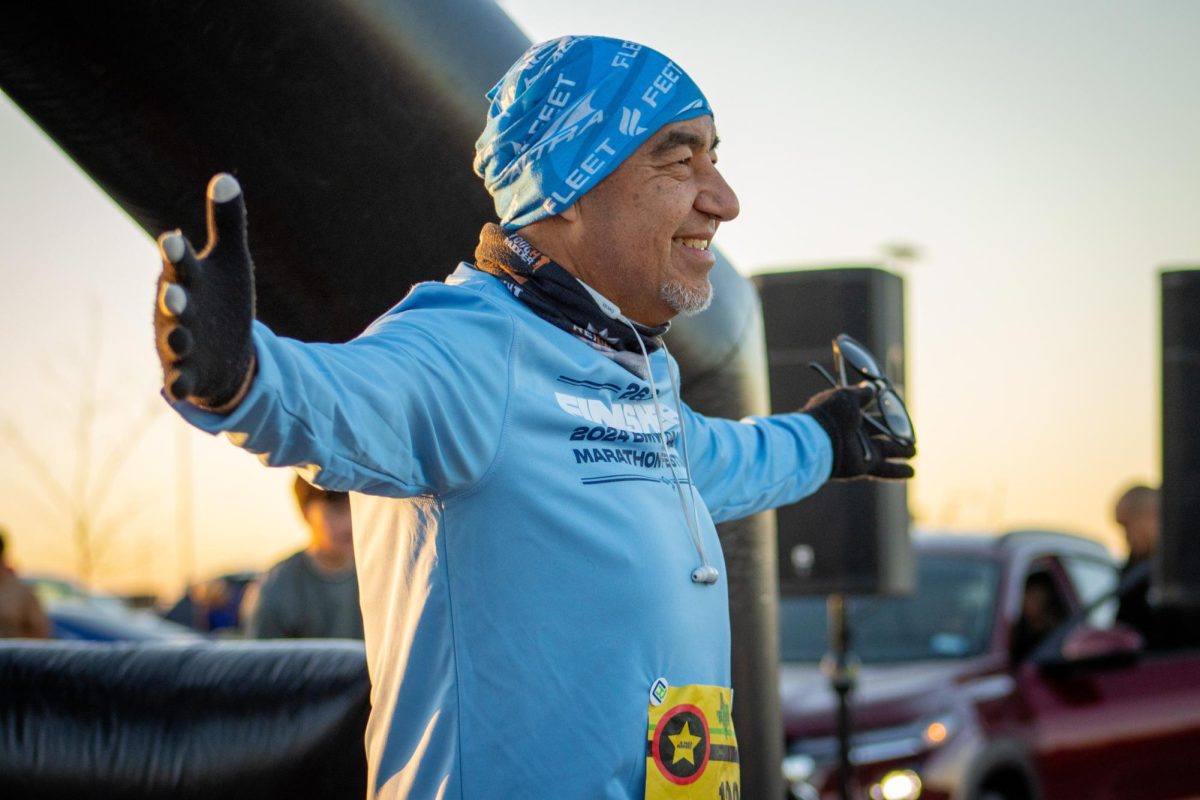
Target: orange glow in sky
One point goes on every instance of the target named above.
(1041, 158)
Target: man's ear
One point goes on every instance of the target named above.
(309, 511)
(571, 212)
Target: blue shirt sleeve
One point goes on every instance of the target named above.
(758, 463)
(415, 405)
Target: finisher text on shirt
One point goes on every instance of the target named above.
(634, 417)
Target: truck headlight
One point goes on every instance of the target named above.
(901, 784)
(905, 741)
(798, 770)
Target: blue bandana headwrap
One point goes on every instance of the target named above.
(567, 114)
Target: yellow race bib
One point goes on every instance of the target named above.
(691, 751)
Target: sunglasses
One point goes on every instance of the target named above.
(886, 413)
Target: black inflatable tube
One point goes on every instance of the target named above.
(230, 720)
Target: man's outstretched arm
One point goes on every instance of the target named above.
(396, 411)
(758, 463)
(206, 305)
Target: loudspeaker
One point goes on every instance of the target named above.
(1176, 578)
(851, 537)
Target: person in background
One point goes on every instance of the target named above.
(313, 593)
(216, 605)
(21, 615)
(1042, 610)
(1136, 512)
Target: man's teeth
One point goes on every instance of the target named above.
(699, 244)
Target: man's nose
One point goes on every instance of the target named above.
(717, 198)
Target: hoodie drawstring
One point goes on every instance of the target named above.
(706, 573)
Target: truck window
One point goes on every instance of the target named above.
(949, 615)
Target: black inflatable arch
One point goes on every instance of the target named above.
(350, 124)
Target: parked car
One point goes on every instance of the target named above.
(216, 606)
(77, 612)
(962, 694)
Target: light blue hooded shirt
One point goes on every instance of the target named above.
(523, 557)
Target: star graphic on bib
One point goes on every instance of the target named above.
(685, 743)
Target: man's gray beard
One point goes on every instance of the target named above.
(685, 300)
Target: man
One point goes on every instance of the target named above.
(312, 593)
(544, 605)
(1136, 511)
(21, 615)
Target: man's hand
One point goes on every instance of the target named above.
(855, 453)
(206, 305)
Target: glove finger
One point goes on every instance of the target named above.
(226, 217)
(179, 259)
(181, 387)
(890, 448)
(180, 341)
(173, 299)
(892, 470)
(864, 393)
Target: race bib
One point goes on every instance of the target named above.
(692, 750)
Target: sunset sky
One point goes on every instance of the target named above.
(1043, 157)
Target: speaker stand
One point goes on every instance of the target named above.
(838, 668)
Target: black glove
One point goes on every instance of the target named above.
(206, 304)
(855, 453)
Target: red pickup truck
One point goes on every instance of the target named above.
(1005, 676)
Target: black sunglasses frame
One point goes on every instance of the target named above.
(885, 392)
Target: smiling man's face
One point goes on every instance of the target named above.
(641, 236)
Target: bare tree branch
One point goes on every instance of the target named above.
(26, 451)
(120, 453)
(103, 533)
(36, 495)
(86, 486)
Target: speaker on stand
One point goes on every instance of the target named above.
(850, 537)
